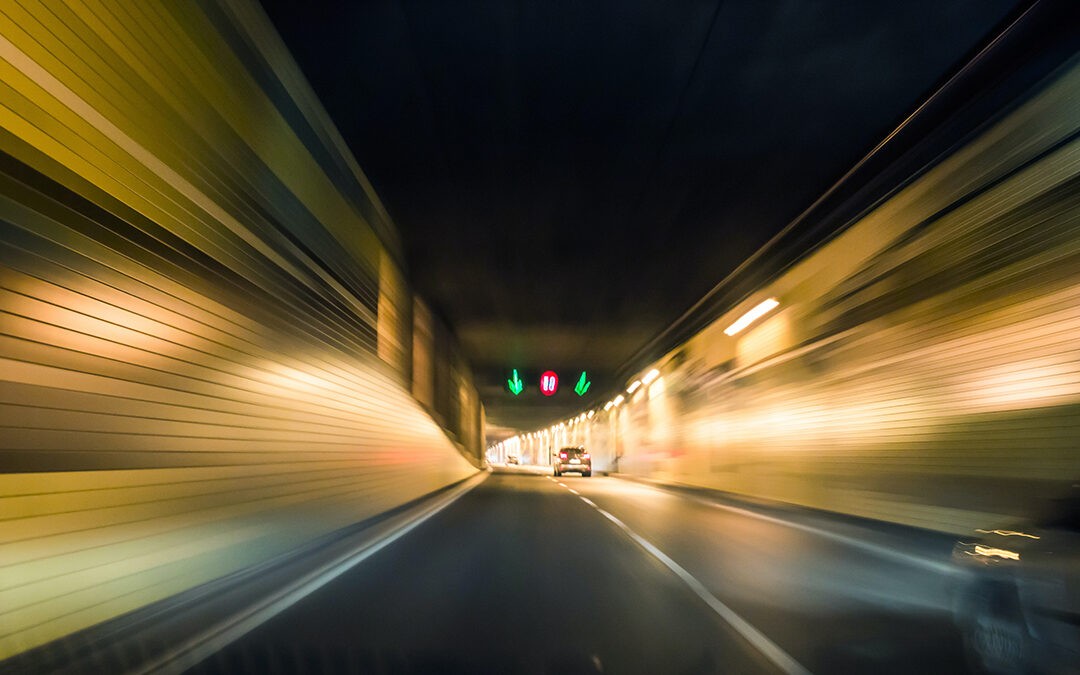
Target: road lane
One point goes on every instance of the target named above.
(519, 575)
(834, 607)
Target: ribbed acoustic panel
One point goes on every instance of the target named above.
(923, 367)
(190, 281)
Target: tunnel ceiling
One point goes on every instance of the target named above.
(569, 177)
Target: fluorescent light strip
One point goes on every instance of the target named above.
(753, 315)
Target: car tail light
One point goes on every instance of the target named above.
(562, 455)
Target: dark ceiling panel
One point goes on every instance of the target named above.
(568, 177)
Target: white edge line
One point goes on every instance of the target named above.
(759, 640)
(875, 549)
(220, 635)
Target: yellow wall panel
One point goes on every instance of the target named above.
(184, 391)
(922, 366)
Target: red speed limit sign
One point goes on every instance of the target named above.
(549, 383)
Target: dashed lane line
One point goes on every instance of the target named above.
(759, 640)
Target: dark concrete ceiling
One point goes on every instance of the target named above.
(569, 176)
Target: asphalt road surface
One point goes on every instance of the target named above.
(532, 574)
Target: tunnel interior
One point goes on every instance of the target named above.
(285, 387)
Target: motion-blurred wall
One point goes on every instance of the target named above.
(922, 367)
(207, 353)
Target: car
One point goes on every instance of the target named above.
(1018, 608)
(571, 460)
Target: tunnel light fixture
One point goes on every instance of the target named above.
(619, 399)
(759, 310)
(591, 413)
(650, 376)
(609, 405)
(633, 386)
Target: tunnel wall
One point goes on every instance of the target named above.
(922, 367)
(206, 344)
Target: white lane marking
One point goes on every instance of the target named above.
(220, 635)
(590, 502)
(759, 640)
(562, 484)
(874, 549)
(573, 491)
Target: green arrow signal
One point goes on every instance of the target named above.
(516, 386)
(582, 385)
